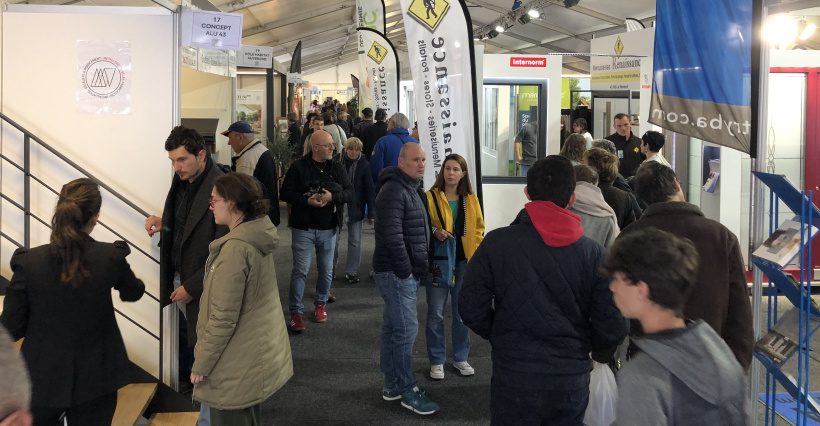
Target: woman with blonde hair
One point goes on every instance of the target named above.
(574, 148)
(455, 213)
(242, 353)
(59, 300)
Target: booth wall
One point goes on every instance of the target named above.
(123, 150)
(205, 95)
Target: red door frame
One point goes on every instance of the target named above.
(812, 155)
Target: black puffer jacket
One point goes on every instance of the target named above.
(402, 226)
(543, 308)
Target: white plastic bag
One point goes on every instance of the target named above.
(603, 395)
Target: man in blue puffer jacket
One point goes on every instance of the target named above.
(386, 152)
(532, 289)
(400, 261)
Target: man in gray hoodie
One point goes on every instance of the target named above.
(685, 373)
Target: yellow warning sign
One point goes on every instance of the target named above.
(377, 52)
(429, 13)
(619, 46)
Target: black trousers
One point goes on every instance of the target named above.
(560, 402)
(97, 412)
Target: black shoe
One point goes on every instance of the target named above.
(351, 279)
(331, 298)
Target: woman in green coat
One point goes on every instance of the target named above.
(242, 352)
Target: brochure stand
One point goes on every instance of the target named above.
(798, 292)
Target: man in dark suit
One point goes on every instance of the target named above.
(187, 228)
(294, 131)
(373, 133)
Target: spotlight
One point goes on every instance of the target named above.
(492, 34)
(499, 28)
(534, 13)
(808, 30)
(570, 3)
(525, 19)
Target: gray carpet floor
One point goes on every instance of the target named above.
(337, 380)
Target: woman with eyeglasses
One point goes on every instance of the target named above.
(242, 353)
(60, 301)
(455, 213)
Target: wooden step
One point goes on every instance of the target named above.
(132, 400)
(174, 419)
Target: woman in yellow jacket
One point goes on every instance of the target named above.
(463, 221)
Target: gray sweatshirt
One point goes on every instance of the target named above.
(684, 376)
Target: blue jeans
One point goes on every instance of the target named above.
(323, 240)
(204, 416)
(354, 248)
(401, 325)
(436, 302)
(524, 170)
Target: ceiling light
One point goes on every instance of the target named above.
(499, 28)
(524, 19)
(808, 31)
(534, 13)
(780, 30)
(570, 3)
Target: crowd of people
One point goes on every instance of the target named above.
(607, 247)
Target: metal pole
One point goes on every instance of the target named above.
(27, 191)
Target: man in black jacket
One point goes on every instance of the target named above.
(186, 229)
(294, 131)
(533, 290)
(367, 121)
(374, 132)
(400, 261)
(316, 187)
(628, 146)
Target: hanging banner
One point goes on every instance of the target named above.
(256, 56)
(211, 30)
(617, 65)
(104, 71)
(693, 93)
(370, 14)
(440, 48)
(383, 71)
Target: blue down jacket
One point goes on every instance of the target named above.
(402, 226)
(544, 308)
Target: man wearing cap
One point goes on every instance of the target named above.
(367, 121)
(254, 159)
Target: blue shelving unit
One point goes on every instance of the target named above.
(800, 203)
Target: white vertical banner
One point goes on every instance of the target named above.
(382, 71)
(370, 14)
(104, 71)
(440, 48)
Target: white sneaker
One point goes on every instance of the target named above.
(437, 371)
(463, 367)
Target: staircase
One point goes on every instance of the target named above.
(147, 397)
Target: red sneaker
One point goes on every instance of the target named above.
(319, 315)
(296, 322)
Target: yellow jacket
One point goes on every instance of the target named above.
(474, 221)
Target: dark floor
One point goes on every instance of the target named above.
(337, 380)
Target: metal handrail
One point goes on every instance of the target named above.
(26, 208)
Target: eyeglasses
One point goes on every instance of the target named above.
(212, 200)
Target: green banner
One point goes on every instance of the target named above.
(565, 95)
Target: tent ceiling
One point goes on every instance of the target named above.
(327, 28)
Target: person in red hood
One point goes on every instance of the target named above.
(533, 289)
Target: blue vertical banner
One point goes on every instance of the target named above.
(702, 71)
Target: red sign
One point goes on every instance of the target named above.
(528, 62)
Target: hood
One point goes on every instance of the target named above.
(260, 233)
(558, 227)
(589, 200)
(712, 378)
(396, 174)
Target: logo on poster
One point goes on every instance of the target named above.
(377, 52)
(103, 77)
(429, 13)
(619, 47)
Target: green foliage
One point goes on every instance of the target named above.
(576, 97)
(282, 152)
(354, 106)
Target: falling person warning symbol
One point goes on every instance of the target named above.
(431, 8)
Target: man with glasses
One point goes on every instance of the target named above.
(316, 188)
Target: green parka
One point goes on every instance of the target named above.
(242, 343)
